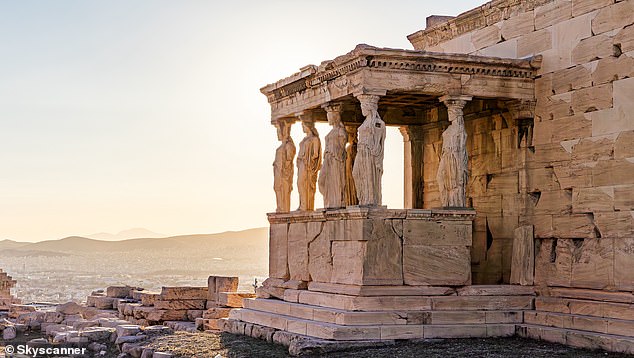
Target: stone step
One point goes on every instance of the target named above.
(415, 303)
(585, 307)
(344, 317)
(332, 331)
(576, 338)
(581, 322)
(587, 294)
(479, 290)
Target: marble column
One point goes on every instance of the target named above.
(283, 168)
(413, 147)
(453, 168)
(368, 164)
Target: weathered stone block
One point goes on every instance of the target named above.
(569, 128)
(613, 68)
(589, 200)
(554, 202)
(180, 304)
(433, 233)
(592, 98)
(347, 261)
(518, 25)
(184, 293)
(613, 172)
(624, 145)
(298, 251)
(553, 13)
(572, 78)
(593, 264)
(118, 291)
(625, 39)
(573, 175)
(233, 299)
(278, 251)
(624, 263)
(485, 37)
(613, 17)
(502, 226)
(553, 262)
(592, 48)
(436, 265)
(573, 226)
(534, 43)
(624, 197)
(618, 119)
(615, 224)
(580, 7)
(320, 256)
(523, 267)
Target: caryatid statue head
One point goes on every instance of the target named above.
(333, 113)
(283, 129)
(309, 128)
(369, 105)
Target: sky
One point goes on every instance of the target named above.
(123, 114)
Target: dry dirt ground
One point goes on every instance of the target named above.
(209, 345)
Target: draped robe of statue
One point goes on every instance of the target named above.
(308, 165)
(452, 170)
(332, 177)
(283, 173)
(368, 164)
(351, 154)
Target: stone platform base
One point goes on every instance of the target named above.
(579, 318)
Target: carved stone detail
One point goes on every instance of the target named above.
(308, 164)
(332, 177)
(368, 165)
(452, 173)
(283, 166)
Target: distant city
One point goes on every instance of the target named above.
(61, 274)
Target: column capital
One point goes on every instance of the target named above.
(521, 109)
(368, 98)
(455, 100)
(285, 121)
(332, 107)
(305, 116)
(411, 133)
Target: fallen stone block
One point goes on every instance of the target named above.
(180, 304)
(184, 293)
(119, 291)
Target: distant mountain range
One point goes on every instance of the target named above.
(231, 240)
(125, 235)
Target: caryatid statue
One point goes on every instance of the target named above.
(308, 165)
(351, 154)
(283, 167)
(452, 170)
(368, 164)
(332, 177)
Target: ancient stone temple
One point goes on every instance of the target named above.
(6, 284)
(518, 133)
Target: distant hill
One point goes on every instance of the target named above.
(231, 240)
(10, 244)
(125, 235)
(30, 253)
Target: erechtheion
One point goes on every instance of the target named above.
(518, 130)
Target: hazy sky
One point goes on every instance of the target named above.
(147, 113)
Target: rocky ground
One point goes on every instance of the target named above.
(211, 345)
